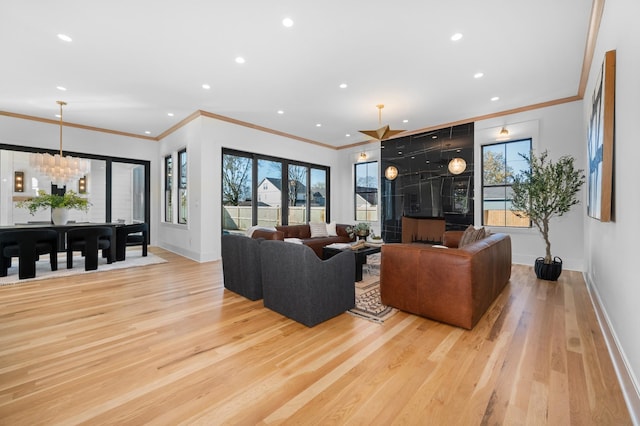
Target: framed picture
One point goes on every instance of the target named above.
(600, 140)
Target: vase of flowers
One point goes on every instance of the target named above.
(361, 230)
(59, 205)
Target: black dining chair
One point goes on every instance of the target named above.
(136, 234)
(89, 240)
(27, 245)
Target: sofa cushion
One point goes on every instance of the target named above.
(331, 229)
(471, 235)
(318, 230)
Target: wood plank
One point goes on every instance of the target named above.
(167, 344)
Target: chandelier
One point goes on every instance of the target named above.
(383, 132)
(59, 168)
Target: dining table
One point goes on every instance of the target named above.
(62, 231)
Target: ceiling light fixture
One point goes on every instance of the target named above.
(457, 165)
(478, 75)
(58, 168)
(65, 37)
(504, 131)
(206, 86)
(456, 37)
(391, 172)
(495, 98)
(287, 22)
(61, 88)
(383, 132)
(240, 60)
(363, 156)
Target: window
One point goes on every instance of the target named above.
(366, 191)
(182, 186)
(268, 191)
(168, 184)
(117, 188)
(500, 163)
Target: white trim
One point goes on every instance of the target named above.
(630, 387)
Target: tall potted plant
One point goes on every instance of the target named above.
(545, 190)
(59, 204)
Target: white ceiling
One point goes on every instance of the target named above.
(132, 62)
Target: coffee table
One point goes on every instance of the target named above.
(360, 255)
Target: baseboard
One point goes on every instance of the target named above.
(630, 387)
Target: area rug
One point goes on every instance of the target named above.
(43, 268)
(368, 303)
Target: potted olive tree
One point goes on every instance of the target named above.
(59, 204)
(545, 190)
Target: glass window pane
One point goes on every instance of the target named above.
(269, 193)
(297, 194)
(366, 191)
(500, 163)
(127, 187)
(236, 192)
(318, 200)
(168, 185)
(182, 187)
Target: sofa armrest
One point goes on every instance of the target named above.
(452, 239)
(268, 235)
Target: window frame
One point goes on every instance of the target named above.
(182, 186)
(168, 188)
(356, 192)
(506, 185)
(285, 163)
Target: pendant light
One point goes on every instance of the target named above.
(59, 168)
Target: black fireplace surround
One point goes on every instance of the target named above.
(424, 186)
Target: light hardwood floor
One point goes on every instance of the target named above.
(166, 344)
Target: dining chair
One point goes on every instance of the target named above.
(27, 245)
(89, 240)
(136, 234)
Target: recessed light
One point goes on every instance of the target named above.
(399, 152)
(456, 37)
(170, 114)
(478, 75)
(146, 132)
(240, 60)
(206, 86)
(349, 135)
(287, 22)
(343, 86)
(318, 125)
(61, 88)
(405, 121)
(495, 98)
(434, 137)
(65, 37)
(280, 112)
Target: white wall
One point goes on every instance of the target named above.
(611, 249)
(28, 133)
(204, 138)
(558, 129)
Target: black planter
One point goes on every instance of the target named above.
(548, 271)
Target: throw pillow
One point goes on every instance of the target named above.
(471, 234)
(331, 229)
(318, 230)
(466, 236)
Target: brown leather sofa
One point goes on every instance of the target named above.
(451, 285)
(303, 233)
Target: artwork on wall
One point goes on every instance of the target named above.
(600, 140)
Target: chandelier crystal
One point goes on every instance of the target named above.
(59, 168)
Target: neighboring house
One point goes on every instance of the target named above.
(270, 192)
